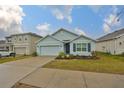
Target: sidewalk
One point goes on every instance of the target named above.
(55, 78)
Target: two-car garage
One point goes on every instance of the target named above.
(49, 46)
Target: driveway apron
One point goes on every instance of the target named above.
(12, 72)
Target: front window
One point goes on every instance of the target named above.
(84, 47)
(80, 47)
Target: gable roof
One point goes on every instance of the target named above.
(84, 37)
(62, 29)
(46, 37)
(112, 35)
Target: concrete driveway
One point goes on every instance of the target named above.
(12, 72)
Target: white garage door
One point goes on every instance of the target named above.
(50, 50)
(20, 50)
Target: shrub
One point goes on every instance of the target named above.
(108, 53)
(94, 54)
(24, 55)
(61, 55)
(34, 54)
(69, 56)
(122, 54)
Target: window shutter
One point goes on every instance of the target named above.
(74, 47)
(89, 47)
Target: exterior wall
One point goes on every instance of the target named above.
(120, 45)
(115, 46)
(19, 41)
(63, 35)
(26, 41)
(48, 41)
(6, 47)
(82, 40)
(33, 44)
(107, 46)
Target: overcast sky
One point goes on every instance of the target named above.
(92, 21)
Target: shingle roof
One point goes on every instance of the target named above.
(29, 33)
(112, 35)
(84, 37)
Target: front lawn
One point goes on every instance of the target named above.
(8, 59)
(106, 64)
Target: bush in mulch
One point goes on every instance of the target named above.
(62, 55)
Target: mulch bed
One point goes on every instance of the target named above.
(80, 57)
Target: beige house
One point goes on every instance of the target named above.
(23, 43)
(112, 43)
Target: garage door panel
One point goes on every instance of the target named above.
(50, 50)
(20, 50)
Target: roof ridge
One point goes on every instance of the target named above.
(64, 30)
(31, 33)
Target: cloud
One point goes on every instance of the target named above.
(10, 20)
(111, 21)
(44, 29)
(62, 12)
(106, 28)
(95, 8)
(58, 14)
(79, 31)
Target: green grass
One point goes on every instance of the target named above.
(106, 64)
(8, 59)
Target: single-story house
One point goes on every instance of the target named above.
(67, 42)
(111, 43)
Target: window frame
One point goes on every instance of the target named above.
(84, 49)
(78, 47)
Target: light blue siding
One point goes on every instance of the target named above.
(64, 35)
(82, 40)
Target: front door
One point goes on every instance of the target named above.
(67, 48)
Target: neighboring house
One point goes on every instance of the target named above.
(4, 45)
(65, 41)
(111, 43)
(23, 43)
